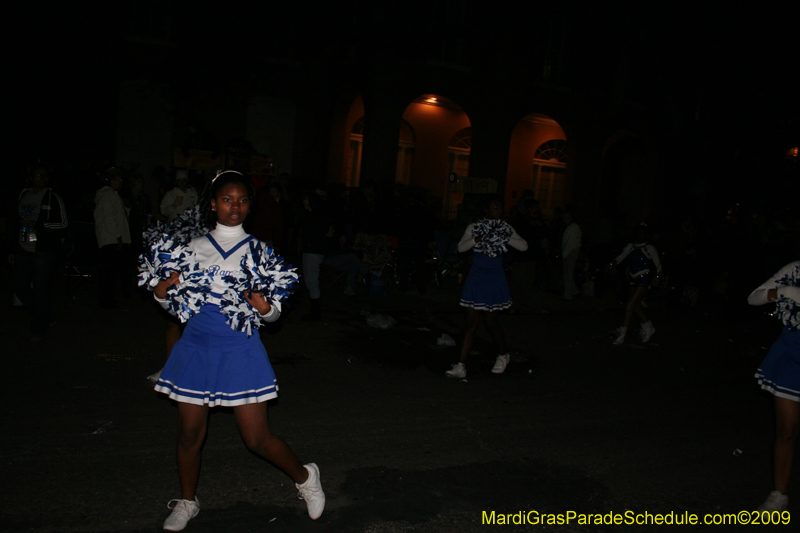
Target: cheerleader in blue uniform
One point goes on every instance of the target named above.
(486, 289)
(779, 373)
(215, 365)
(644, 269)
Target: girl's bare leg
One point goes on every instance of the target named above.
(496, 331)
(192, 427)
(253, 425)
(473, 321)
(635, 306)
(787, 421)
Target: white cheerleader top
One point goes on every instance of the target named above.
(219, 253)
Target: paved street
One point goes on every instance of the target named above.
(575, 424)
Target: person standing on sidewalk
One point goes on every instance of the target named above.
(42, 225)
(179, 198)
(113, 237)
(486, 291)
(779, 373)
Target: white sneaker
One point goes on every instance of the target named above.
(620, 336)
(647, 331)
(501, 364)
(153, 378)
(775, 502)
(311, 492)
(458, 371)
(182, 512)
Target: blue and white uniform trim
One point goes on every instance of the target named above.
(213, 399)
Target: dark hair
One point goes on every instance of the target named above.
(531, 203)
(110, 174)
(490, 199)
(315, 201)
(228, 177)
(643, 227)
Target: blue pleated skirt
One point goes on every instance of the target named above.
(216, 366)
(779, 372)
(486, 288)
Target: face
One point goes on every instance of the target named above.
(116, 183)
(495, 210)
(231, 204)
(183, 184)
(40, 178)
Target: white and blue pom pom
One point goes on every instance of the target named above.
(494, 235)
(787, 309)
(262, 272)
(163, 257)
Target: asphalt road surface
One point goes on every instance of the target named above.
(575, 425)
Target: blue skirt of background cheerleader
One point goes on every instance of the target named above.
(779, 372)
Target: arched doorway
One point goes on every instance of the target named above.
(537, 161)
(549, 171)
(443, 140)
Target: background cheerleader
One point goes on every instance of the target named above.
(779, 373)
(219, 361)
(486, 289)
(644, 268)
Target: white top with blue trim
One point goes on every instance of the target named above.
(219, 253)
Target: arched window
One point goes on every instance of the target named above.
(549, 175)
(405, 152)
(554, 150)
(354, 154)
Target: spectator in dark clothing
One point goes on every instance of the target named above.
(416, 234)
(43, 222)
(315, 232)
(339, 256)
(265, 221)
(523, 273)
(140, 215)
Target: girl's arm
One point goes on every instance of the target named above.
(160, 291)
(769, 291)
(517, 242)
(625, 251)
(269, 313)
(762, 296)
(467, 240)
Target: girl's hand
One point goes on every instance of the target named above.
(477, 239)
(162, 286)
(258, 301)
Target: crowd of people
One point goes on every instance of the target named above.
(368, 238)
